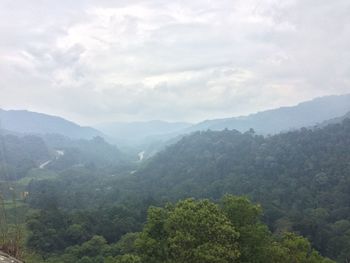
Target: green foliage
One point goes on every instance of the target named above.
(293, 248)
(302, 178)
(53, 230)
(95, 153)
(192, 231)
(201, 231)
(18, 155)
(126, 244)
(240, 211)
(127, 259)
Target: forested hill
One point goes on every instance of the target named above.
(335, 120)
(93, 153)
(22, 121)
(305, 114)
(20, 154)
(302, 178)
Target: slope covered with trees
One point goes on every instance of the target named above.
(335, 120)
(302, 178)
(94, 153)
(20, 154)
(188, 232)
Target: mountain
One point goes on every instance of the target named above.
(20, 154)
(305, 114)
(301, 177)
(153, 136)
(335, 120)
(22, 121)
(139, 132)
(93, 153)
(36, 157)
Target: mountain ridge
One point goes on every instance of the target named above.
(29, 122)
(304, 114)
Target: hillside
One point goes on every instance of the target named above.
(94, 153)
(31, 155)
(20, 154)
(305, 114)
(22, 121)
(302, 178)
(335, 120)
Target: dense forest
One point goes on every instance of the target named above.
(188, 231)
(20, 154)
(300, 178)
(151, 131)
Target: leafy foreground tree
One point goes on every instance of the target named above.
(198, 231)
(203, 232)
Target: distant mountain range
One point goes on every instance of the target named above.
(304, 114)
(27, 122)
(156, 133)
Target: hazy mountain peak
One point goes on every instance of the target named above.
(24, 121)
(306, 113)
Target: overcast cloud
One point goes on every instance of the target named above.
(99, 60)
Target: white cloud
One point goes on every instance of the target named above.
(175, 60)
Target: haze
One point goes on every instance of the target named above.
(95, 61)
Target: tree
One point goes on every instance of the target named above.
(203, 232)
(189, 232)
(127, 258)
(295, 249)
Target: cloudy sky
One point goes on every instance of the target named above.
(101, 60)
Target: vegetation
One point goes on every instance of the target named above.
(188, 232)
(301, 178)
(20, 154)
(91, 206)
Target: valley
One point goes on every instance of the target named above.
(154, 131)
(77, 192)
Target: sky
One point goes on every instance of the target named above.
(115, 60)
